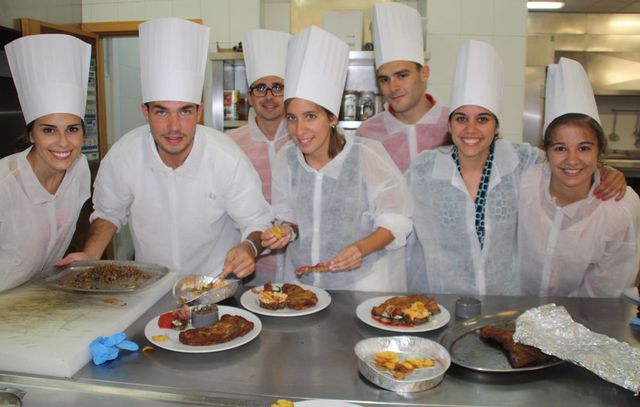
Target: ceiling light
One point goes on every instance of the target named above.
(544, 5)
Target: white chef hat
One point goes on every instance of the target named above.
(50, 72)
(265, 53)
(478, 78)
(173, 58)
(317, 63)
(568, 90)
(397, 34)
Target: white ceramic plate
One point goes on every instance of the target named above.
(363, 311)
(173, 343)
(250, 301)
(632, 294)
(324, 403)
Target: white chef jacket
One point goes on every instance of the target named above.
(358, 191)
(444, 221)
(590, 248)
(403, 141)
(261, 152)
(35, 226)
(178, 217)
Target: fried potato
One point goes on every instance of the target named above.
(388, 360)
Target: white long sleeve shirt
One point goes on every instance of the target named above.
(179, 217)
(590, 248)
(36, 227)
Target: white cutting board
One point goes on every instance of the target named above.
(47, 331)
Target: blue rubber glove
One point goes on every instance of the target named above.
(105, 348)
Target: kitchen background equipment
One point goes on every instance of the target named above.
(613, 136)
(47, 332)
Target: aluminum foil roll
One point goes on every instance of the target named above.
(551, 329)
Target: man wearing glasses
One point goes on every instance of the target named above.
(265, 57)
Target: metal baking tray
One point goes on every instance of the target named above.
(468, 350)
(61, 277)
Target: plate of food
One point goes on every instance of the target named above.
(632, 294)
(403, 313)
(234, 328)
(402, 363)
(102, 276)
(485, 344)
(285, 300)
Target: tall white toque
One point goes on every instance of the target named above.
(317, 63)
(50, 72)
(568, 90)
(173, 58)
(479, 78)
(265, 53)
(397, 34)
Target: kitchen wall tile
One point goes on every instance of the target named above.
(513, 52)
(157, 9)
(510, 17)
(443, 17)
(131, 11)
(476, 17)
(186, 8)
(86, 13)
(512, 108)
(277, 16)
(104, 12)
(443, 50)
(245, 15)
(441, 92)
(215, 14)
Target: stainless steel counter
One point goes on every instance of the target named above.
(312, 357)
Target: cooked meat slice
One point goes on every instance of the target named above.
(298, 298)
(406, 310)
(519, 355)
(226, 329)
(316, 268)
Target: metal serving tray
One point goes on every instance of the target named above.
(60, 277)
(468, 350)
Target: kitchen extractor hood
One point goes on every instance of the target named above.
(610, 73)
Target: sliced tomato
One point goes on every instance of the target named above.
(165, 320)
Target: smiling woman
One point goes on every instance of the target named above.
(43, 188)
(569, 242)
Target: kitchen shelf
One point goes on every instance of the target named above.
(228, 72)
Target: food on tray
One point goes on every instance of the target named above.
(226, 329)
(288, 295)
(177, 319)
(160, 338)
(400, 368)
(283, 403)
(519, 355)
(105, 276)
(406, 310)
(272, 300)
(318, 268)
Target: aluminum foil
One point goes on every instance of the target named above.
(405, 346)
(551, 329)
